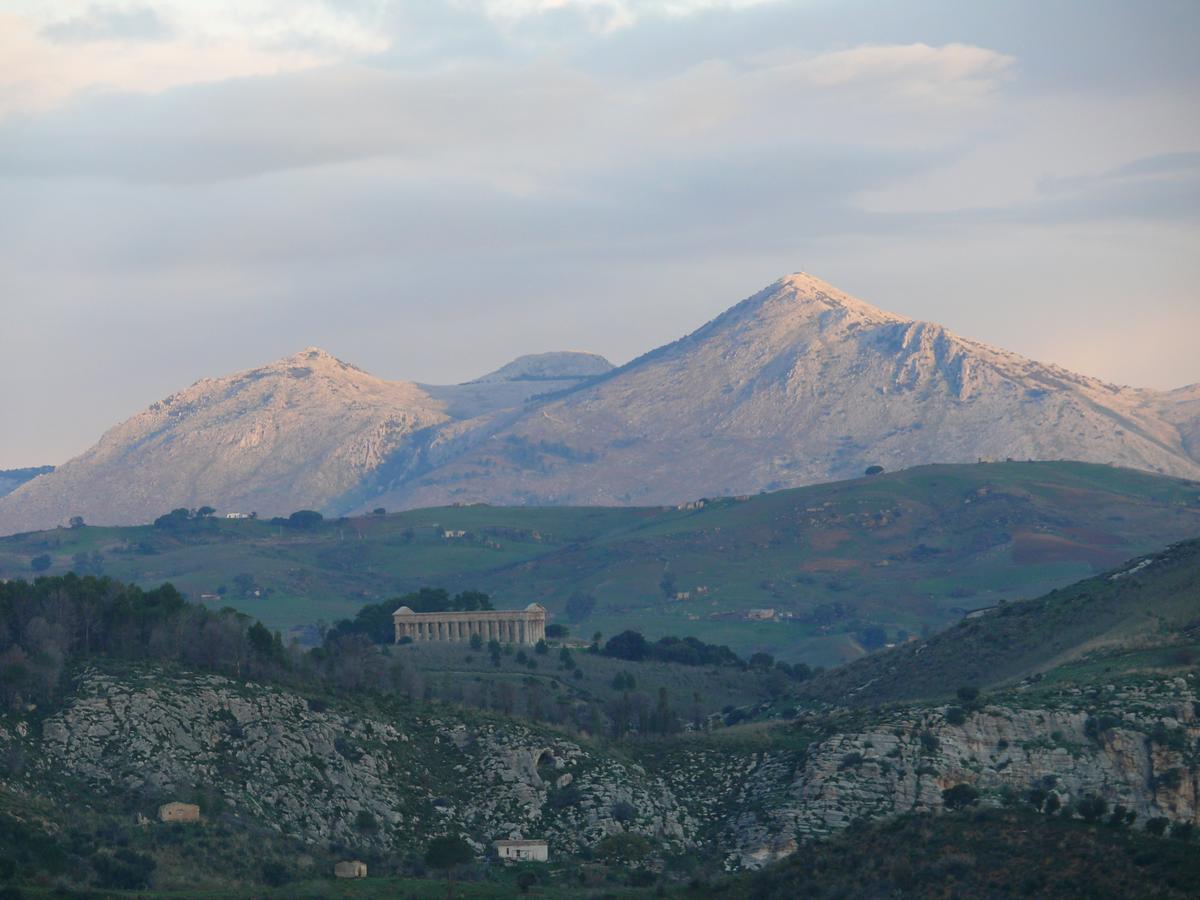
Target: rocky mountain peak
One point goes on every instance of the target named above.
(563, 364)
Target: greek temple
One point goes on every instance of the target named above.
(509, 626)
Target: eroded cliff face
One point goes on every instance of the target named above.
(326, 776)
(1137, 746)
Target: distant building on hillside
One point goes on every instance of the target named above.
(350, 868)
(237, 515)
(523, 851)
(509, 626)
(179, 812)
(761, 615)
(456, 533)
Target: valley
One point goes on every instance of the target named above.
(879, 559)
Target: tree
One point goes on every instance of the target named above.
(874, 470)
(628, 645)
(379, 511)
(448, 853)
(1092, 807)
(205, 512)
(557, 632)
(76, 521)
(305, 518)
(960, 796)
(40, 563)
(623, 847)
(541, 648)
(476, 642)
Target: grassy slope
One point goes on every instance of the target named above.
(1137, 616)
(993, 853)
(905, 550)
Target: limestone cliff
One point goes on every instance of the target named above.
(326, 775)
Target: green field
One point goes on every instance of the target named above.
(908, 552)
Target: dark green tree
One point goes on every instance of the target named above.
(448, 853)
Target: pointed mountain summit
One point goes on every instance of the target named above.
(797, 384)
(291, 434)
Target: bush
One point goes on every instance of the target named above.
(1092, 808)
(275, 873)
(956, 715)
(850, 761)
(1157, 825)
(960, 796)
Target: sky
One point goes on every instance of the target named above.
(429, 188)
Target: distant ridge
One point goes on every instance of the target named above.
(797, 384)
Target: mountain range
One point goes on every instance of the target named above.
(797, 384)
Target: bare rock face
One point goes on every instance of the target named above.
(320, 776)
(290, 435)
(798, 384)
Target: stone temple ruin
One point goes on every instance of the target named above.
(510, 626)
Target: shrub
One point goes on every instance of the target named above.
(275, 873)
(850, 761)
(960, 796)
(1157, 825)
(956, 715)
(1092, 808)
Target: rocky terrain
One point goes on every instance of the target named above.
(305, 432)
(337, 775)
(11, 479)
(797, 384)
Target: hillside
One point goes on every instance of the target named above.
(297, 760)
(797, 384)
(306, 431)
(903, 552)
(1116, 621)
(11, 479)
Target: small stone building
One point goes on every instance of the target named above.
(350, 868)
(523, 851)
(179, 812)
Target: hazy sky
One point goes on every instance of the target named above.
(427, 188)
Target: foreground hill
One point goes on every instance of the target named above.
(802, 383)
(844, 567)
(795, 385)
(1116, 620)
(112, 707)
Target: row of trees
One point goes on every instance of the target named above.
(375, 619)
(689, 651)
(46, 624)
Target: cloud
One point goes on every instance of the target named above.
(138, 23)
(518, 125)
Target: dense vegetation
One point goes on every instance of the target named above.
(985, 853)
(1157, 596)
(845, 567)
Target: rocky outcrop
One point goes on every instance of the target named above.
(1137, 747)
(330, 777)
(359, 781)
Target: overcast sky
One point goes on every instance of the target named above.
(428, 188)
